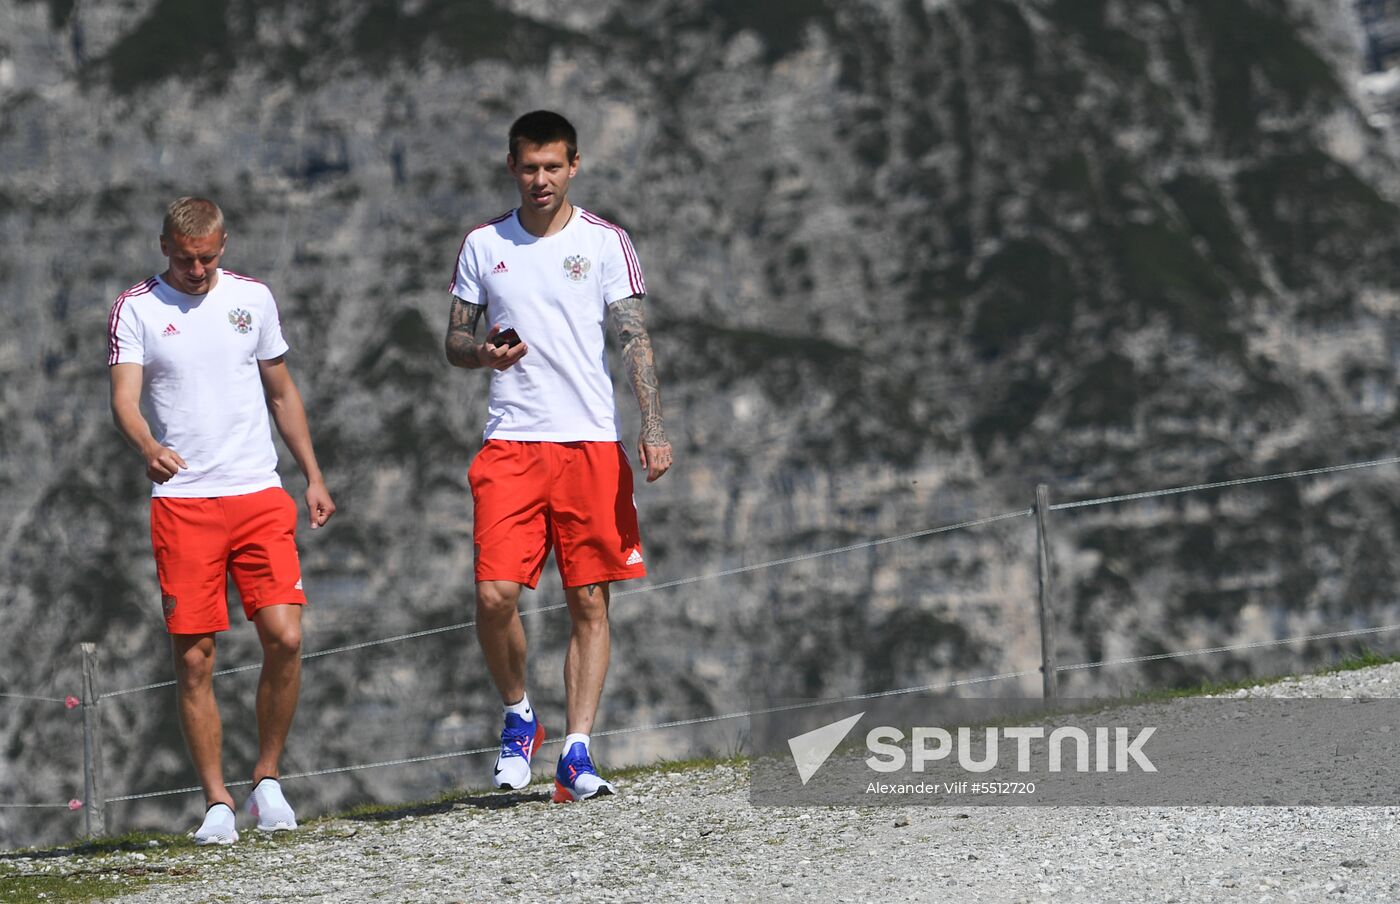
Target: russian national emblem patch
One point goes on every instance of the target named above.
(242, 321)
(576, 267)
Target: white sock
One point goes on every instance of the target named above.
(569, 741)
(522, 709)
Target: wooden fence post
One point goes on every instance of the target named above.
(1047, 594)
(92, 745)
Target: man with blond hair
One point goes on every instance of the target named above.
(202, 347)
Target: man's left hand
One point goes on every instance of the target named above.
(318, 504)
(656, 457)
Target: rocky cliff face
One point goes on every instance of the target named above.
(907, 260)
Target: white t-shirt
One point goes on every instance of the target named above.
(201, 386)
(554, 291)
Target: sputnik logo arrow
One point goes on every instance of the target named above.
(810, 750)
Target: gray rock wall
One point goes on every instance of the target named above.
(906, 261)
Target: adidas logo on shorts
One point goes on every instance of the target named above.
(635, 558)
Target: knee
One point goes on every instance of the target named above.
(282, 643)
(590, 610)
(495, 603)
(194, 668)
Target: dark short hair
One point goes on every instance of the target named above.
(543, 127)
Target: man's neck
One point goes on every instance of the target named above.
(541, 226)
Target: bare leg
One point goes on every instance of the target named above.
(586, 663)
(279, 631)
(502, 636)
(199, 712)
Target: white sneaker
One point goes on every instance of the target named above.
(217, 827)
(273, 812)
(519, 741)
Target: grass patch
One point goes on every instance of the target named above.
(1364, 659)
(660, 767)
(91, 876)
(81, 885)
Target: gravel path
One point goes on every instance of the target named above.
(693, 836)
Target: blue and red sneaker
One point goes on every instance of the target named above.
(576, 779)
(519, 741)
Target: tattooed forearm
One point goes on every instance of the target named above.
(462, 350)
(629, 326)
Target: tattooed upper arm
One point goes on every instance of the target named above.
(461, 333)
(627, 320)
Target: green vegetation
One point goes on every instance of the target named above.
(1086, 18)
(908, 641)
(1320, 222)
(1199, 200)
(1106, 394)
(1363, 659)
(780, 24)
(200, 41)
(89, 875)
(409, 354)
(1250, 43)
(1011, 415)
(72, 887)
(185, 38)
(1004, 23)
(460, 31)
(59, 11)
(1029, 291)
(1162, 271)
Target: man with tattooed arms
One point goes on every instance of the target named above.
(551, 471)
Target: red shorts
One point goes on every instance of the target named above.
(574, 497)
(199, 542)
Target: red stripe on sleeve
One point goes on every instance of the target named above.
(113, 318)
(452, 283)
(629, 255)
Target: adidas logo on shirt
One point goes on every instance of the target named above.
(170, 330)
(635, 558)
(499, 268)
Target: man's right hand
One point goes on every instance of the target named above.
(499, 357)
(163, 464)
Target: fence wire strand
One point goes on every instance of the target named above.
(1206, 651)
(650, 588)
(1239, 481)
(632, 729)
(33, 697)
(808, 704)
(788, 560)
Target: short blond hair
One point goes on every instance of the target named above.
(193, 217)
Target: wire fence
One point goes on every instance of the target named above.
(806, 704)
(634, 591)
(71, 701)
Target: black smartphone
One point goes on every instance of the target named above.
(507, 337)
